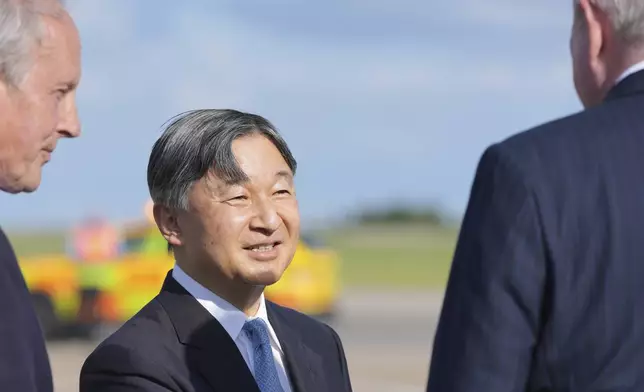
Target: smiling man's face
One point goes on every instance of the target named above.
(245, 233)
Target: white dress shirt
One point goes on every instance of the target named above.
(631, 70)
(233, 319)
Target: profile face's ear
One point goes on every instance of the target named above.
(167, 222)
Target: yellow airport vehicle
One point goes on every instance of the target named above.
(310, 284)
(53, 283)
(109, 273)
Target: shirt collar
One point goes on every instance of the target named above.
(231, 318)
(631, 70)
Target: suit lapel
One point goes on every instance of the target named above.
(209, 347)
(303, 365)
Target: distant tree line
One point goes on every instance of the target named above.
(402, 214)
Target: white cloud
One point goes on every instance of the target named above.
(218, 59)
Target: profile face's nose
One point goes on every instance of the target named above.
(69, 123)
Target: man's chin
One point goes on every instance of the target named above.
(31, 182)
(30, 189)
(19, 187)
(30, 186)
(263, 278)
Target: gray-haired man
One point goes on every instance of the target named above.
(546, 290)
(223, 186)
(39, 71)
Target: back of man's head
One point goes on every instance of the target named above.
(39, 72)
(626, 18)
(607, 38)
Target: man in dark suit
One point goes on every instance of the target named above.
(224, 199)
(39, 70)
(546, 289)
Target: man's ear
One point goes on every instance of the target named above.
(167, 222)
(597, 25)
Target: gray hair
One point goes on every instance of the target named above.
(21, 27)
(199, 142)
(626, 16)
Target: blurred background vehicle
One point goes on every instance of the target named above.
(109, 273)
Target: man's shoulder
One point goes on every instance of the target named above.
(146, 332)
(141, 353)
(587, 126)
(6, 250)
(306, 325)
(547, 133)
(319, 338)
(564, 142)
(11, 278)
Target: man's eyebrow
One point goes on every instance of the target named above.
(71, 85)
(67, 86)
(285, 174)
(217, 187)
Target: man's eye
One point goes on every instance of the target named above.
(241, 197)
(63, 90)
(283, 192)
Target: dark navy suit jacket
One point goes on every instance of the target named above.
(24, 363)
(174, 344)
(546, 291)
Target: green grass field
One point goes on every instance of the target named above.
(400, 256)
(384, 256)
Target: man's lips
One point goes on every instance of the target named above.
(47, 154)
(262, 246)
(264, 251)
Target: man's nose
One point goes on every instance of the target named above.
(266, 217)
(69, 123)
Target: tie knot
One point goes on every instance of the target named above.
(257, 332)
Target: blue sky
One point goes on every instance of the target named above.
(379, 100)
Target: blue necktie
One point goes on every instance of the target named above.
(264, 364)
